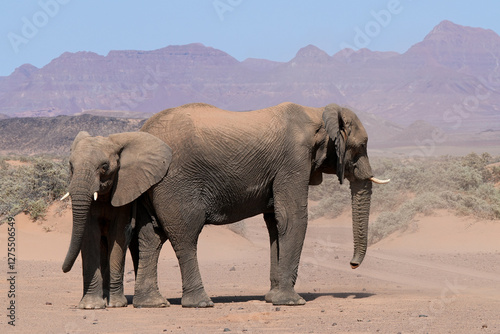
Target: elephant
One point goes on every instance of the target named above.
(227, 166)
(108, 177)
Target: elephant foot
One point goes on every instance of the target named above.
(287, 297)
(154, 300)
(270, 295)
(198, 299)
(90, 302)
(117, 301)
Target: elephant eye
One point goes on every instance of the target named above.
(105, 167)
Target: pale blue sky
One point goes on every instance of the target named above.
(38, 31)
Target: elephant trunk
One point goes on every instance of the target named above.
(361, 192)
(81, 200)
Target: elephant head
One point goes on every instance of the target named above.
(347, 157)
(118, 169)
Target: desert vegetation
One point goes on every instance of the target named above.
(467, 185)
(463, 185)
(31, 184)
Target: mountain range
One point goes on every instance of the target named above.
(450, 80)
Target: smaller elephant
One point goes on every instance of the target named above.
(108, 177)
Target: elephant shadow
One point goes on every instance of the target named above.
(307, 296)
(130, 299)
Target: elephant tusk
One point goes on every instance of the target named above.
(95, 196)
(64, 197)
(375, 180)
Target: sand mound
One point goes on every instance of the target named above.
(444, 232)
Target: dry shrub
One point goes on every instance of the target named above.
(463, 185)
(31, 187)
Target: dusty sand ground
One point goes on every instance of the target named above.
(440, 277)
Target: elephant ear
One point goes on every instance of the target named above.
(144, 161)
(338, 131)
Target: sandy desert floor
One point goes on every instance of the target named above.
(441, 276)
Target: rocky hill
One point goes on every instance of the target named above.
(54, 135)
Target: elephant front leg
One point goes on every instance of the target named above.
(272, 228)
(117, 241)
(145, 248)
(116, 296)
(290, 247)
(291, 217)
(92, 278)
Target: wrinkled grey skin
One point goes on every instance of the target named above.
(227, 166)
(147, 240)
(119, 168)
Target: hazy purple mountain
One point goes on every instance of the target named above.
(450, 80)
(464, 49)
(260, 65)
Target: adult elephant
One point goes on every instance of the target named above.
(108, 176)
(227, 166)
